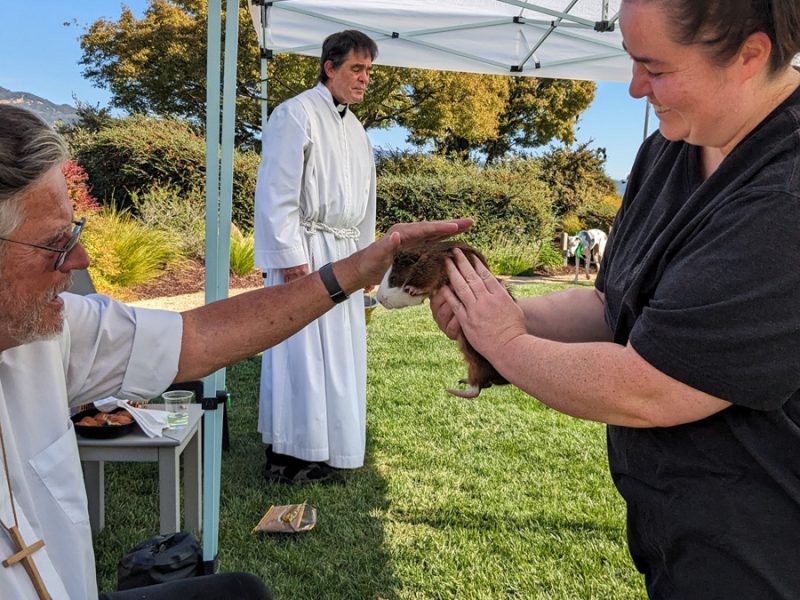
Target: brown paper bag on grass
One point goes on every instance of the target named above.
(288, 518)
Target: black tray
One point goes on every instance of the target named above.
(100, 432)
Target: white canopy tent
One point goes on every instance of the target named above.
(568, 39)
(577, 39)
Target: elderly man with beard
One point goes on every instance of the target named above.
(60, 350)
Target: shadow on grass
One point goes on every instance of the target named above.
(490, 519)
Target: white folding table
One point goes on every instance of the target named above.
(166, 451)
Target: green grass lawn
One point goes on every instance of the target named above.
(498, 497)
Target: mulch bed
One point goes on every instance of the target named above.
(188, 278)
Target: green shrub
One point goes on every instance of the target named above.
(243, 250)
(180, 214)
(403, 162)
(507, 257)
(549, 258)
(572, 224)
(126, 253)
(506, 200)
(600, 213)
(137, 153)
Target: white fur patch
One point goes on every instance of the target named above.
(395, 297)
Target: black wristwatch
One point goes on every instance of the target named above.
(335, 291)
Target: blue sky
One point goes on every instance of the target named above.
(39, 43)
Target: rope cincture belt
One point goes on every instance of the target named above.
(340, 233)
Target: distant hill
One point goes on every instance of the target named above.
(44, 108)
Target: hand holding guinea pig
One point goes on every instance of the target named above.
(482, 308)
(419, 272)
(443, 315)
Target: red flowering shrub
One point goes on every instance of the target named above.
(78, 188)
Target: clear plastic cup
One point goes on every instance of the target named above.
(177, 403)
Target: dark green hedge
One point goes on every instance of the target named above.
(518, 199)
(507, 200)
(136, 153)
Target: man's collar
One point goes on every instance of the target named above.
(340, 107)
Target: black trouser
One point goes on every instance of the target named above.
(220, 586)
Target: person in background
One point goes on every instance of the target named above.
(315, 202)
(688, 347)
(59, 350)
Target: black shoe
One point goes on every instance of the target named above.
(311, 473)
(281, 468)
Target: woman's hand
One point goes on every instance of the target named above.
(443, 314)
(485, 311)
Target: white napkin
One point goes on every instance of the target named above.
(152, 422)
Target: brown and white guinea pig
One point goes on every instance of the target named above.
(418, 272)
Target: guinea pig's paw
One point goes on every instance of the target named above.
(411, 290)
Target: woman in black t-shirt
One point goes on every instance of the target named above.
(689, 345)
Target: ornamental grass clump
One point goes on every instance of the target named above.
(126, 253)
(243, 250)
(179, 213)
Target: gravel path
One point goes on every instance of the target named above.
(183, 301)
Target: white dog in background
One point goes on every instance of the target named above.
(589, 245)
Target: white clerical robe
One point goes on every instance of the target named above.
(315, 203)
(105, 348)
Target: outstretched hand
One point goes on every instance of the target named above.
(482, 308)
(376, 259)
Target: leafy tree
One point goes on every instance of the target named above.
(576, 177)
(461, 112)
(538, 111)
(157, 65)
(138, 154)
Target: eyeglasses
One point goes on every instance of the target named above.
(62, 252)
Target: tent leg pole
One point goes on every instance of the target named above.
(213, 69)
(264, 73)
(212, 459)
(221, 260)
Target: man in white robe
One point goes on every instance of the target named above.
(59, 350)
(314, 203)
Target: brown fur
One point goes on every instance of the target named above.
(423, 268)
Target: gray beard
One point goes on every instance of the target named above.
(31, 327)
(33, 330)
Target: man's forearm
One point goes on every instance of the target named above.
(227, 331)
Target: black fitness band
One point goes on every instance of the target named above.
(335, 291)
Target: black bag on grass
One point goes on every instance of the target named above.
(162, 558)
